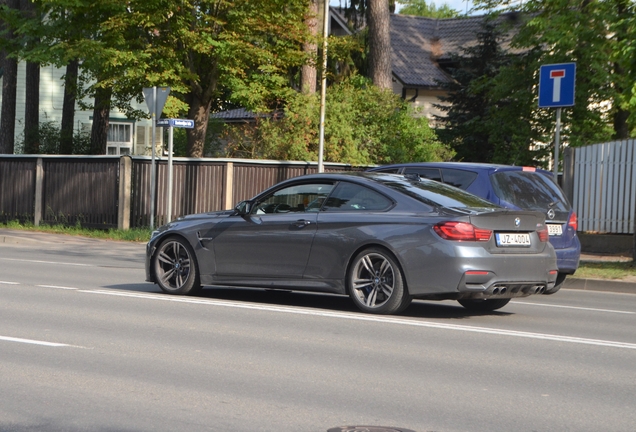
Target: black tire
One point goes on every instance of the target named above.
(175, 266)
(484, 305)
(558, 284)
(375, 283)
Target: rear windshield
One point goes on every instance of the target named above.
(529, 190)
(435, 193)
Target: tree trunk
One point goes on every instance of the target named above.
(9, 83)
(68, 107)
(621, 126)
(308, 72)
(101, 113)
(199, 112)
(32, 91)
(32, 109)
(380, 43)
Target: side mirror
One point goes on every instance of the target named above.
(243, 208)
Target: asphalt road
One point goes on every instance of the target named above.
(87, 345)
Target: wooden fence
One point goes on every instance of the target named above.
(111, 192)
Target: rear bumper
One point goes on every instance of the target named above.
(472, 272)
(568, 258)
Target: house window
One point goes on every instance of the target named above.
(120, 140)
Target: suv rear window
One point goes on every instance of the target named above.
(529, 191)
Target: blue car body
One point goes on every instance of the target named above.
(515, 187)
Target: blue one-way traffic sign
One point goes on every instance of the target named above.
(556, 85)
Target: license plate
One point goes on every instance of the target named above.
(555, 229)
(512, 239)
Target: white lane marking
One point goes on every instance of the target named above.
(34, 342)
(384, 319)
(576, 307)
(49, 262)
(9, 283)
(57, 287)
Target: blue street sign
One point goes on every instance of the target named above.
(180, 123)
(556, 85)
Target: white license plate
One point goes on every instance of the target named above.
(512, 239)
(555, 229)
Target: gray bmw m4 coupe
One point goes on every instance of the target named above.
(382, 239)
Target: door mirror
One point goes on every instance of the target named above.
(243, 208)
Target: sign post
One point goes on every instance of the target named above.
(172, 123)
(155, 99)
(556, 90)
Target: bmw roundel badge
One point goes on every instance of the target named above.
(517, 222)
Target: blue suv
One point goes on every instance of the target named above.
(515, 187)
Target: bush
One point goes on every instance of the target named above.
(364, 125)
(49, 140)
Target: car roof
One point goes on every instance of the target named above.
(474, 166)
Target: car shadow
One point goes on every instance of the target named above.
(450, 310)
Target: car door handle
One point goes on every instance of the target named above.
(301, 223)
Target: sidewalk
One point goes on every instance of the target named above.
(571, 282)
(608, 285)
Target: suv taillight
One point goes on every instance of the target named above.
(461, 231)
(544, 235)
(573, 222)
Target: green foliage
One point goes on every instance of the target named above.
(424, 9)
(134, 234)
(599, 37)
(364, 125)
(49, 140)
(488, 112)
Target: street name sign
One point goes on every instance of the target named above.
(179, 123)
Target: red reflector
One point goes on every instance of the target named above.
(461, 231)
(553, 272)
(476, 272)
(533, 169)
(573, 222)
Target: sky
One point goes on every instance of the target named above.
(460, 5)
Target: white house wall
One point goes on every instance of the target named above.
(52, 99)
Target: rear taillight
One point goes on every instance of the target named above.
(542, 230)
(573, 222)
(461, 231)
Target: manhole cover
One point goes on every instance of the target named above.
(368, 429)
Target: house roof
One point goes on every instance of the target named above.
(420, 44)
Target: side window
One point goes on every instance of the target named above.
(353, 197)
(429, 173)
(458, 178)
(294, 199)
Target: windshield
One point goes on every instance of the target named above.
(529, 191)
(435, 193)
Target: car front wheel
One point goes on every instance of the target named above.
(176, 267)
(376, 284)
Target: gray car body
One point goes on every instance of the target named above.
(313, 251)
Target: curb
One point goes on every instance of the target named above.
(605, 285)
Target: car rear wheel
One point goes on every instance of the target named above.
(484, 305)
(176, 267)
(376, 284)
